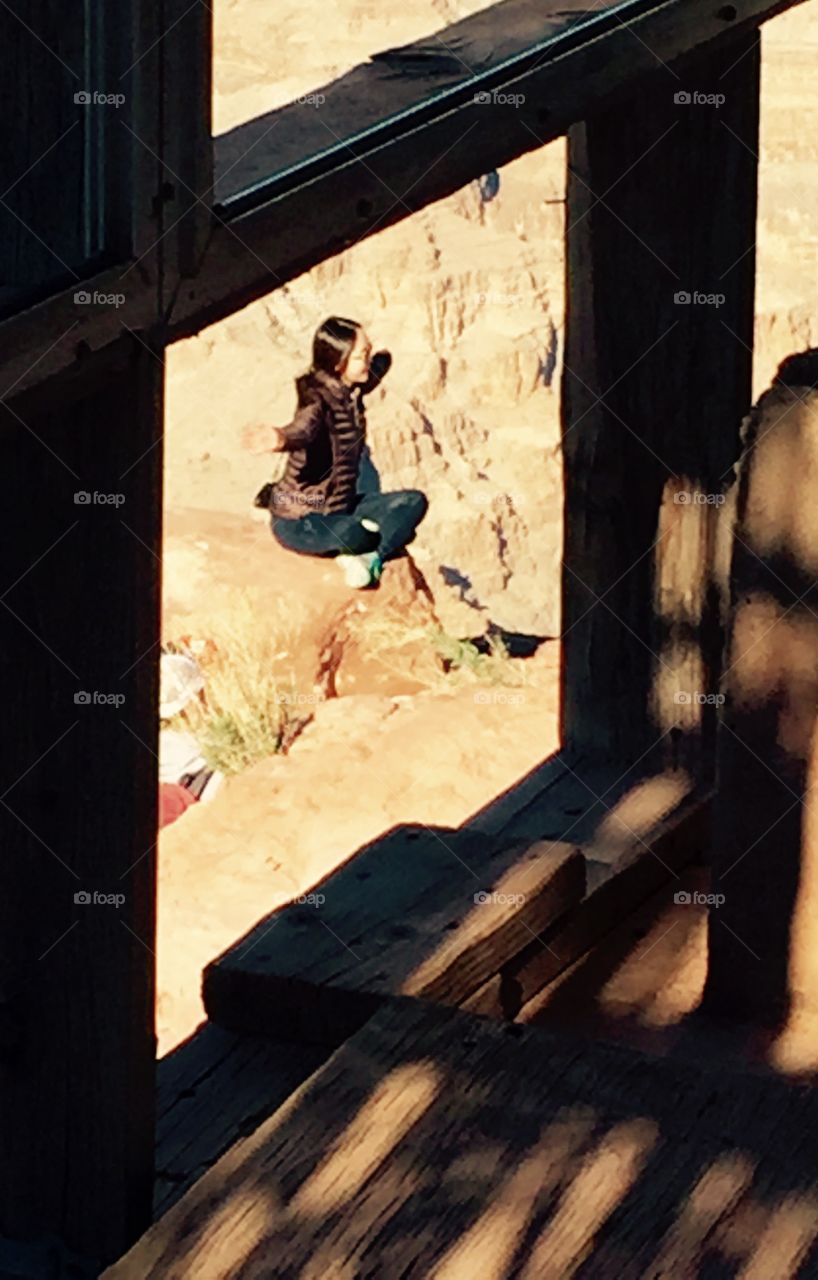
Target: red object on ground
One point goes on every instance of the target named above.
(173, 800)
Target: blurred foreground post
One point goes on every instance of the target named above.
(658, 360)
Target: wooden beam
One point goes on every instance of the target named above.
(615, 889)
(399, 90)
(419, 913)
(117, 178)
(81, 86)
(321, 204)
(400, 918)
(79, 628)
(57, 339)
(763, 955)
(314, 206)
(186, 181)
(657, 377)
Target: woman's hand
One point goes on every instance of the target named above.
(262, 439)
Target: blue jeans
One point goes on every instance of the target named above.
(397, 514)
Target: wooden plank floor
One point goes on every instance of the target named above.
(439, 1144)
(212, 1092)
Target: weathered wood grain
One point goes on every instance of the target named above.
(496, 816)
(366, 178)
(439, 1144)
(616, 886)
(654, 391)
(450, 67)
(401, 919)
(213, 1091)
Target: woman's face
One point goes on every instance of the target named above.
(357, 365)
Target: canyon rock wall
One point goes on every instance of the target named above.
(468, 296)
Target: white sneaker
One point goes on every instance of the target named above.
(360, 571)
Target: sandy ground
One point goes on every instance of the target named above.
(274, 831)
(401, 745)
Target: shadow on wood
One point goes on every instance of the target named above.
(764, 959)
(438, 1143)
(459, 916)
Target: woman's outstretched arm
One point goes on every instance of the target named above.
(303, 428)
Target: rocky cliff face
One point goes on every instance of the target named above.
(467, 295)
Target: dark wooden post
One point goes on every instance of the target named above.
(763, 954)
(79, 621)
(661, 208)
(61, 215)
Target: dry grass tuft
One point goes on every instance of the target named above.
(249, 702)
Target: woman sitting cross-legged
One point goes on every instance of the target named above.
(316, 508)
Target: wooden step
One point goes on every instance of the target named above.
(439, 1144)
(618, 880)
(583, 844)
(423, 912)
(212, 1092)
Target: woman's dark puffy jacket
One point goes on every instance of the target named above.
(324, 443)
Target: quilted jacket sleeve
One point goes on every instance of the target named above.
(304, 426)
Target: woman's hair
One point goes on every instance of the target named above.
(332, 344)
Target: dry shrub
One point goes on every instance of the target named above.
(249, 701)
